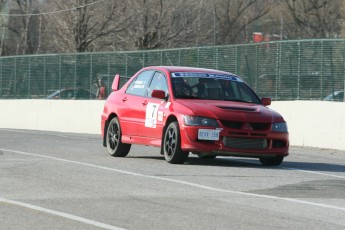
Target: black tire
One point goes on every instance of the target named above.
(271, 161)
(114, 144)
(172, 145)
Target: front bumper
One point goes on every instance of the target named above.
(246, 143)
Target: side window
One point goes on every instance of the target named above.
(140, 84)
(158, 82)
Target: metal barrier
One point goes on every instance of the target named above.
(282, 70)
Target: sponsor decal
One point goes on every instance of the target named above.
(207, 75)
(151, 115)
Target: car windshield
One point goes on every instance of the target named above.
(206, 86)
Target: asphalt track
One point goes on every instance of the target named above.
(52, 180)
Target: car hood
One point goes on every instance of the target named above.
(228, 110)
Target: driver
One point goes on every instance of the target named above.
(181, 87)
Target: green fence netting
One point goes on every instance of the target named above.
(282, 70)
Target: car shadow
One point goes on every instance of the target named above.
(218, 162)
(255, 163)
(224, 162)
(146, 157)
(313, 166)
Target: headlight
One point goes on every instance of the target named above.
(280, 127)
(200, 121)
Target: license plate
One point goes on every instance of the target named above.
(208, 134)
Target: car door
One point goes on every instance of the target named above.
(134, 105)
(154, 114)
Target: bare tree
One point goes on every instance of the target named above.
(147, 19)
(104, 25)
(233, 16)
(162, 23)
(24, 26)
(316, 18)
(89, 21)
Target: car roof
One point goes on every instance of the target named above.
(189, 69)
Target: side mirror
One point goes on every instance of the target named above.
(116, 82)
(157, 93)
(266, 101)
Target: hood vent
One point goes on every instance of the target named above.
(237, 108)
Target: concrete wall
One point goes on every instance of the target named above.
(314, 123)
(78, 116)
(311, 123)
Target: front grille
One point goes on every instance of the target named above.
(252, 125)
(245, 143)
(232, 124)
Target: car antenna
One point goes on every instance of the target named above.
(169, 60)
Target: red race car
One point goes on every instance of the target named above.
(186, 110)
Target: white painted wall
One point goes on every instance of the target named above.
(314, 123)
(78, 116)
(311, 123)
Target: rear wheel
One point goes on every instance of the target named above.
(271, 161)
(172, 145)
(114, 144)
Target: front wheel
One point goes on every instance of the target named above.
(114, 144)
(172, 145)
(271, 161)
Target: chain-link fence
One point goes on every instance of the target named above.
(283, 70)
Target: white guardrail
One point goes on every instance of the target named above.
(318, 124)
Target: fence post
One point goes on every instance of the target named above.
(109, 79)
(256, 67)
(44, 76)
(322, 60)
(237, 61)
(278, 62)
(161, 51)
(343, 76)
(91, 69)
(126, 65)
(60, 69)
(217, 57)
(15, 77)
(198, 57)
(1, 76)
(29, 78)
(75, 71)
(332, 67)
(298, 70)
